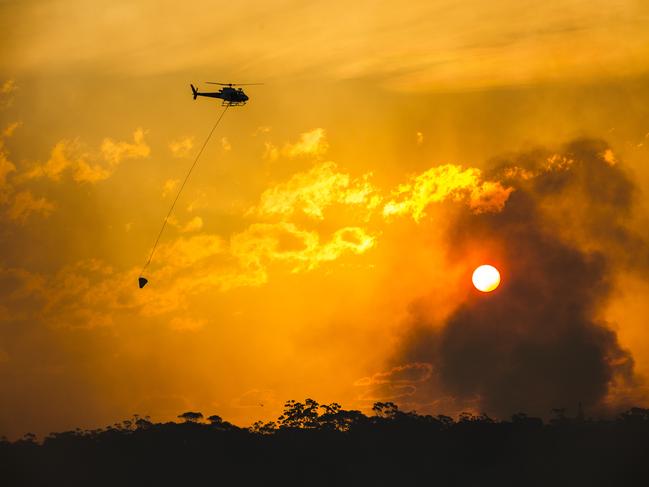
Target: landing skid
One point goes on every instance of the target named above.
(232, 103)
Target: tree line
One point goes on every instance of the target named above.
(324, 444)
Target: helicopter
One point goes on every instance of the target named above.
(231, 96)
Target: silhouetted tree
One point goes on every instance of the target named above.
(386, 410)
(336, 418)
(143, 423)
(215, 419)
(191, 417)
(635, 416)
(522, 419)
(299, 415)
(262, 428)
(445, 420)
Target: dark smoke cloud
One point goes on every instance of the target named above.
(536, 343)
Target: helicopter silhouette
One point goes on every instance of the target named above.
(231, 96)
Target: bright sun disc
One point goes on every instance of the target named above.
(486, 278)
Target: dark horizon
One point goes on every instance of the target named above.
(327, 445)
(554, 416)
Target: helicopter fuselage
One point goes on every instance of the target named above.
(229, 95)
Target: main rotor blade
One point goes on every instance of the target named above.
(232, 84)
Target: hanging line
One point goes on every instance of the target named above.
(141, 280)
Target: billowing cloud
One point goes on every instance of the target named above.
(59, 161)
(90, 173)
(186, 251)
(18, 204)
(9, 130)
(284, 242)
(90, 294)
(609, 157)
(447, 182)
(115, 152)
(6, 166)
(88, 166)
(312, 143)
(24, 204)
(312, 192)
(193, 225)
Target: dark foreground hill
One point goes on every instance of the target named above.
(315, 445)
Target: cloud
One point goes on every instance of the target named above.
(271, 152)
(538, 342)
(6, 90)
(609, 157)
(447, 182)
(59, 299)
(6, 166)
(90, 293)
(187, 251)
(398, 383)
(193, 225)
(10, 129)
(24, 204)
(284, 242)
(17, 205)
(440, 46)
(58, 162)
(90, 173)
(86, 166)
(262, 129)
(115, 152)
(182, 146)
(312, 192)
(401, 374)
(312, 143)
(8, 86)
(225, 144)
(169, 187)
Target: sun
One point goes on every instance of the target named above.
(486, 278)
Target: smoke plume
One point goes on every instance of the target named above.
(538, 341)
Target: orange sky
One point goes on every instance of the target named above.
(318, 219)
